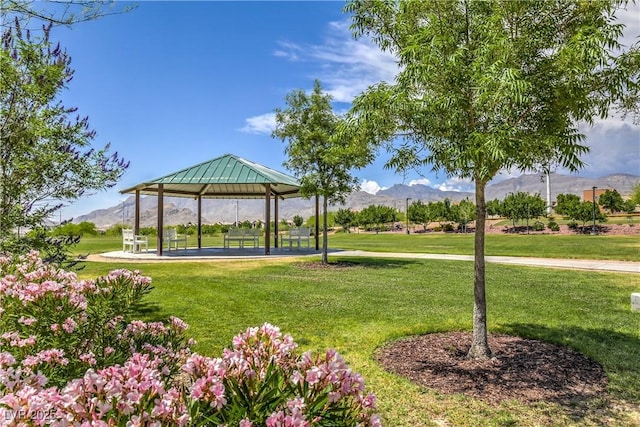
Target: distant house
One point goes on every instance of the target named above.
(587, 195)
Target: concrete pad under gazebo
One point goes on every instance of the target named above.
(225, 177)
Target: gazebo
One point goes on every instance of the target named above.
(225, 177)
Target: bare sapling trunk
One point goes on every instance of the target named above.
(480, 344)
(325, 228)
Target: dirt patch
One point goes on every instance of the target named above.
(605, 229)
(521, 369)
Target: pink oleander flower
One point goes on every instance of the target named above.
(69, 325)
(27, 321)
(13, 339)
(177, 324)
(88, 358)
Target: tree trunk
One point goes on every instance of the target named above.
(325, 222)
(480, 345)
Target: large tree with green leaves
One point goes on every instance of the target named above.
(316, 154)
(46, 153)
(485, 86)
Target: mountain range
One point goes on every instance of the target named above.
(183, 210)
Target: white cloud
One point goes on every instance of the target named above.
(455, 184)
(629, 17)
(347, 66)
(421, 181)
(614, 147)
(289, 51)
(262, 124)
(370, 187)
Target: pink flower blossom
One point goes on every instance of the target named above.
(69, 325)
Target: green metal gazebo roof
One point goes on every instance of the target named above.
(227, 176)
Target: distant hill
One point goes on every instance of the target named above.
(183, 210)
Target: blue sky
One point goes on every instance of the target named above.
(171, 84)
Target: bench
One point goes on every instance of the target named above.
(297, 236)
(133, 242)
(172, 237)
(242, 235)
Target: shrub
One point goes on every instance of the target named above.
(448, 228)
(538, 226)
(553, 226)
(262, 380)
(69, 356)
(61, 326)
(572, 225)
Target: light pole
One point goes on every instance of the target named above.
(236, 213)
(593, 195)
(407, 212)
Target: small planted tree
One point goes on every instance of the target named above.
(611, 200)
(485, 86)
(523, 206)
(565, 203)
(463, 213)
(419, 213)
(316, 152)
(586, 212)
(298, 220)
(345, 218)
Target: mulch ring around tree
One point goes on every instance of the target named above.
(520, 369)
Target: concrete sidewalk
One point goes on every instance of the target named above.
(212, 254)
(578, 264)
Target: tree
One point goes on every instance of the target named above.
(65, 13)
(512, 206)
(440, 211)
(629, 207)
(565, 203)
(71, 229)
(419, 213)
(463, 213)
(635, 194)
(345, 218)
(584, 212)
(485, 86)
(316, 154)
(494, 207)
(611, 200)
(298, 220)
(46, 156)
(520, 205)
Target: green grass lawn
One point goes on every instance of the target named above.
(359, 308)
(624, 248)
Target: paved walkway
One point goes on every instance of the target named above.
(579, 264)
(218, 254)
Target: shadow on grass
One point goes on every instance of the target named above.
(617, 352)
(375, 262)
(149, 311)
